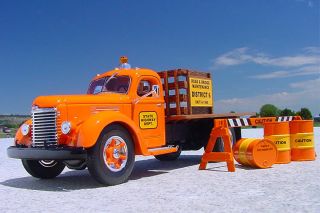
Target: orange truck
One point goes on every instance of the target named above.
(126, 112)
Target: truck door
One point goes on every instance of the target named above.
(149, 112)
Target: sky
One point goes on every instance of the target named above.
(259, 52)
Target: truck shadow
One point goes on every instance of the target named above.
(144, 168)
(76, 180)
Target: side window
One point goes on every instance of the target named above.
(148, 84)
(144, 87)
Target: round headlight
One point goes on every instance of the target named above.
(65, 127)
(25, 128)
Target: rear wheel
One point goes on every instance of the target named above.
(111, 159)
(76, 164)
(44, 169)
(219, 146)
(170, 156)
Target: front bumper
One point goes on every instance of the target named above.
(47, 153)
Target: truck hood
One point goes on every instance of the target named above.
(105, 98)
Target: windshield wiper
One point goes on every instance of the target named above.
(111, 77)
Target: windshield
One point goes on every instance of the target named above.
(117, 84)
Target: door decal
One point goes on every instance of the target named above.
(148, 120)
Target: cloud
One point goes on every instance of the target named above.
(294, 95)
(276, 74)
(308, 3)
(303, 97)
(312, 85)
(234, 57)
(245, 55)
(304, 71)
(315, 50)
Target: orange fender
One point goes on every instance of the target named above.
(21, 139)
(89, 131)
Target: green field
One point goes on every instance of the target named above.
(3, 135)
(8, 135)
(12, 122)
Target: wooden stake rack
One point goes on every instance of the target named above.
(176, 88)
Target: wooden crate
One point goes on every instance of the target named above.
(177, 92)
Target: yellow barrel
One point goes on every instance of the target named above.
(302, 140)
(278, 133)
(254, 152)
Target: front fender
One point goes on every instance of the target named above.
(90, 130)
(21, 139)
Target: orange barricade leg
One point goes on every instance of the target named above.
(227, 155)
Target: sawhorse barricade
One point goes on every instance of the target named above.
(221, 130)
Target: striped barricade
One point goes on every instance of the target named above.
(221, 130)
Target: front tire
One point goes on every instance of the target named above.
(44, 169)
(111, 159)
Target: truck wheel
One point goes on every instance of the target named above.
(170, 156)
(111, 159)
(44, 169)
(76, 164)
(219, 146)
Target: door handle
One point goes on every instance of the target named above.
(159, 105)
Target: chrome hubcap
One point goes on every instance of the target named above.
(115, 153)
(48, 163)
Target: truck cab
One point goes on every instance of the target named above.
(142, 87)
(122, 115)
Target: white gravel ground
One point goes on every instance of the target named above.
(166, 187)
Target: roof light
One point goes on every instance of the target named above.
(124, 63)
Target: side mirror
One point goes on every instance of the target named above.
(156, 90)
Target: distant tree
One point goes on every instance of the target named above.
(232, 111)
(305, 114)
(287, 112)
(269, 110)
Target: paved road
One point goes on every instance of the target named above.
(166, 187)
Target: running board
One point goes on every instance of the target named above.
(162, 150)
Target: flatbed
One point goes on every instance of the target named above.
(174, 118)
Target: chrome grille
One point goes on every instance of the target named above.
(44, 127)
